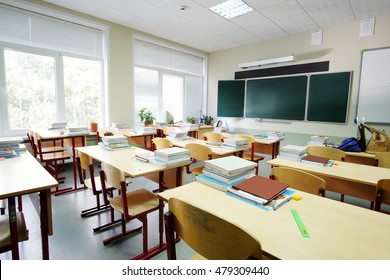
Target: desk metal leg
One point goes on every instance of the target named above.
(44, 197)
(13, 228)
(75, 188)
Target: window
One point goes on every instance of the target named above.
(48, 77)
(168, 82)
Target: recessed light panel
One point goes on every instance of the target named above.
(231, 9)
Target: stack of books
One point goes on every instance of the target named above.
(57, 125)
(179, 135)
(275, 135)
(10, 147)
(171, 156)
(292, 152)
(147, 130)
(77, 130)
(223, 173)
(235, 142)
(119, 126)
(115, 142)
(262, 191)
(318, 141)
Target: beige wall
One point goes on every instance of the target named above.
(341, 46)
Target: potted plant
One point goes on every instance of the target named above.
(191, 120)
(208, 120)
(146, 116)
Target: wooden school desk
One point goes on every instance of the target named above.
(124, 159)
(338, 231)
(143, 139)
(353, 179)
(263, 145)
(73, 140)
(360, 158)
(25, 175)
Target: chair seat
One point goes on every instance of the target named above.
(247, 156)
(5, 233)
(56, 156)
(54, 149)
(139, 201)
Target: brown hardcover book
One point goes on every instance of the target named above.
(315, 159)
(262, 187)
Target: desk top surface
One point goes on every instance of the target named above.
(23, 175)
(337, 230)
(343, 170)
(58, 133)
(124, 159)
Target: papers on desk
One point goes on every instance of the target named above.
(171, 156)
(115, 142)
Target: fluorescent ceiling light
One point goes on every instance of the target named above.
(231, 9)
(258, 63)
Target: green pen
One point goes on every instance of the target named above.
(300, 224)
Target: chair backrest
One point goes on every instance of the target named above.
(328, 152)
(250, 138)
(213, 136)
(5, 236)
(199, 151)
(167, 130)
(383, 195)
(382, 159)
(299, 180)
(161, 143)
(31, 141)
(113, 176)
(207, 234)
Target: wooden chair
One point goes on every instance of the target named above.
(5, 233)
(132, 205)
(161, 143)
(198, 153)
(383, 194)
(250, 154)
(210, 236)
(328, 152)
(92, 182)
(299, 180)
(167, 129)
(50, 160)
(102, 132)
(382, 159)
(52, 148)
(213, 136)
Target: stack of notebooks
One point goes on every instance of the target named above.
(171, 156)
(115, 142)
(10, 146)
(292, 152)
(235, 142)
(275, 135)
(178, 135)
(317, 160)
(77, 130)
(318, 141)
(223, 173)
(147, 130)
(264, 192)
(57, 125)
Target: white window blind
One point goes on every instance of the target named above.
(31, 29)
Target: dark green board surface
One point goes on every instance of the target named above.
(281, 98)
(231, 97)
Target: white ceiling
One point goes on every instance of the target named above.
(201, 29)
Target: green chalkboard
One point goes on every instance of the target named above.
(328, 97)
(231, 98)
(281, 98)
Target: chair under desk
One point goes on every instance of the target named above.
(352, 179)
(124, 159)
(25, 175)
(338, 231)
(72, 140)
